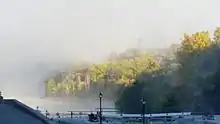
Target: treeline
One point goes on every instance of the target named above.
(191, 85)
(187, 79)
(119, 71)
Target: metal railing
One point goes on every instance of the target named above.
(83, 115)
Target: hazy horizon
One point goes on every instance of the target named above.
(39, 33)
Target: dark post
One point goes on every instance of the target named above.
(37, 108)
(71, 114)
(143, 110)
(47, 113)
(1, 97)
(58, 115)
(100, 108)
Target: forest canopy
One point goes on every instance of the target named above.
(184, 77)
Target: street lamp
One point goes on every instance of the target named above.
(143, 109)
(1, 97)
(100, 108)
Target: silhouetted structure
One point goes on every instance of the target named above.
(100, 109)
(15, 112)
(71, 114)
(143, 109)
(1, 97)
(47, 113)
(93, 117)
(58, 114)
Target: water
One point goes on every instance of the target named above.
(64, 105)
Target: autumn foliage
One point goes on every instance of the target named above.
(184, 78)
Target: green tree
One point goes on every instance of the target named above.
(217, 35)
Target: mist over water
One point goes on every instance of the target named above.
(65, 105)
(27, 86)
(39, 38)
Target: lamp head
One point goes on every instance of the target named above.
(100, 94)
(143, 101)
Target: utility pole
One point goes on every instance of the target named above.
(143, 110)
(100, 108)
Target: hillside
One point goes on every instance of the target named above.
(121, 68)
(170, 80)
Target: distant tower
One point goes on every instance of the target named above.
(140, 44)
(87, 80)
(78, 78)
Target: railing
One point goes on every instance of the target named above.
(84, 114)
(64, 115)
(71, 114)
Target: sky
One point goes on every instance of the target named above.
(33, 32)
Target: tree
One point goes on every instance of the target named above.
(186, 79)
(195, 42)
(130, 96)
(217, 35)
(51, 87)
(184, 87)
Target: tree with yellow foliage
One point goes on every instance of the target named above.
(195, 42)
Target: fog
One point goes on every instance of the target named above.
(38, 38)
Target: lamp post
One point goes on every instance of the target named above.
(1, 97)
(100, 108)
(47, 113)
(143, 109)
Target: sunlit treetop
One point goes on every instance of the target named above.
(123, 70)
(217, 35)
(196, 41)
